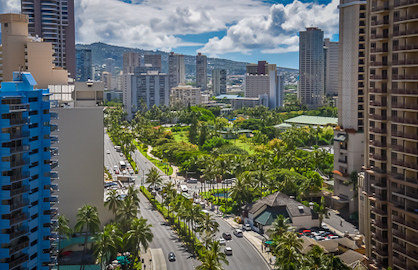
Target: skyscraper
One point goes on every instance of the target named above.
(218, 82)
(331, 55)
(153, 59)
(54, 22)
(176, 69)
(262, 79)
(201, 71)
(131, 60)
(349, 138)
(311, 67)
(390, 184)
(28, 192)
(110, 66)
(84, 65)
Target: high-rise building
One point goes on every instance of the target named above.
(176, 69)
(21, 52)
(261, 79)
(201, 71)
(149, 88)
(153, 59)
(84, 65)
(28, 193)
(390, 184)
(184, 95)
(218, 82)
(131, 60)
(349, 137)
(110, 66)
(54, 22)
(311, 67)
(107, 80)
(331, 54)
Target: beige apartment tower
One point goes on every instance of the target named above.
(184, 95)
(131, 60)
(391, 152)
(19, 51)
(349, 137)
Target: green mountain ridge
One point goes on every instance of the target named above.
(102, 51)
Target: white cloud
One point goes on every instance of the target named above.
(277, 31)
(7, 6)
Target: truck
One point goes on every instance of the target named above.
(126, 178)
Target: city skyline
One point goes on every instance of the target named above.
(262, 29)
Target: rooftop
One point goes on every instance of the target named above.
(313, 120)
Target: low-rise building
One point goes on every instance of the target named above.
(185, 95)
(261, 214)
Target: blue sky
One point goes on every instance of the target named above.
(241, 30)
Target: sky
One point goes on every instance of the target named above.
(241, 30)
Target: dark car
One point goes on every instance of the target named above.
(226, 236)
(171, 257)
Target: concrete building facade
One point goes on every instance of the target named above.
(54, 22)
(84, 65)
(331, 54)
(184, 95)
(311, 67)
(391, 152)
(131, 60)
(28, 176)
(201, 71)
(154, 60)
(262, 78)
(219, 81)
(176, 69)
(349, 137)
(22, 52)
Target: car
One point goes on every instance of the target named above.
(191, 180)
(171, 257)
(238, 233)
(226, 236)
(227, 181)
(222, 241)
(228, 251)
(108, 167)
(319, 238)
(121, 154)
(110, 184)
(324, 226)
(246, 227)
(108, 152)
(115, 167)
(332, 237)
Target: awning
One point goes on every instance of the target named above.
(340, 138)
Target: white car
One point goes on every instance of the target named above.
(108, 152)
(222, 241)
(115, 168)
(228, 251)
(324, 226)
(246, 227)
(238, 233)
(121, 154)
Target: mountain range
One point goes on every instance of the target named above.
(101, 51)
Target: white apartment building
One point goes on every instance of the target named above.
(184, 95)
(201, 71)
(331, 54)
(218, 81)
(176, 69)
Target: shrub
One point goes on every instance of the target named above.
(215, 142)
(232, 149)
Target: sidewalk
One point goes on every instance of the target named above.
(254, 239)
(175, 168)
(147, 257)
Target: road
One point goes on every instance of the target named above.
(244, 254)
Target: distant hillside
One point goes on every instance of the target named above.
(102, 51)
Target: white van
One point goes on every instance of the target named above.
(192, 180)
(184, 188)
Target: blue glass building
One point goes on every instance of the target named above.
(27, 178)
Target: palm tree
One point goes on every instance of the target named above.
(239, 191)
(63, 231)
(154, 178)
(287, 249)
(127, 211)
(168, 196)
(113, 201)
(133, 193)
(288, 186)
(208, 224)
(139, 235)
(215, 248)
(315, 258)
(106, 244)
(88, 219)
(195, 216)
(322, 211)
(210, 262)
(279, 227)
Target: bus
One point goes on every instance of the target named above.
(122, 165)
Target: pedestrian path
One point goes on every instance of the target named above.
(254, 239)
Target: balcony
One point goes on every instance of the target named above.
(379, 22)
(405, 91)
(18, 205)
(399, 248)
(18, 261)
(405, 48)
(379, 224)
(377, 157)
(378, 64)
(403, 236)
(19, 135)
(18, 218)
(380, 8)
(405, 62)
(399, 3)
(378, 77)
(404, 121)
(16, 248)
(399, 263)
(378, 130)
(405, 18)
(413, 77)
(405, 106)
(379, 211)
(19, 177)
(54, 164)
(399, 148)
(378, 117)
(18, 233)
(19, 149)
(410, 32)
(404, 135)
(411, 225)
(378, 36)
(377, 143)
(402, 163)
(378, 90)
(18, 191)
(379, 238)
(18, 122)
(380, 252)
(19, 163)
(18, 107)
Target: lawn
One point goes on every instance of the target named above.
(156, 162)
(180, 136)
(243, 145)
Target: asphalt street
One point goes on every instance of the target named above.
(244, 254)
